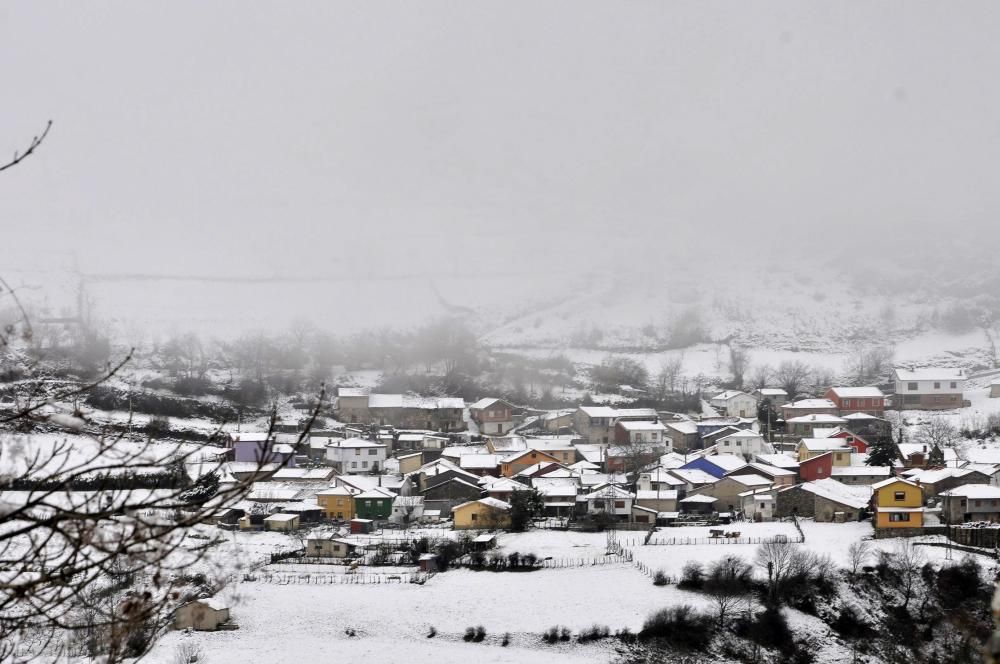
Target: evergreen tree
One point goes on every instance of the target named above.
(882, 452)
(524, 505)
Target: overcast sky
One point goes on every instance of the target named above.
(253, 138)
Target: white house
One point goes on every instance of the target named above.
(758, 504)
(612, 500)
(743, 443)
(407, 509)
(776, 395)
(928, 389)
(355, 455)
(734, 403)
(643, 432)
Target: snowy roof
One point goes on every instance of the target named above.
(636, 412)
(686, 427)
(661, 476)
(810, 403)
(729, 394)
(484, 403)
(503, 484)
(824, 444)
(337, 491)
(742, 434)
(909, 449)
(845, 494)
(975, 491)
(376, 493)
(672, 460)
(869, 392)
(597, 411)
(353, 442)
(614, 491)
(668, 494)
(282, 518)
(413, 401)
(930, 374)
(694, 476)
(630, 425)
(822, 418)
(407, 501)
(489, 502)
(584, 465)
(556, 414)
(750, 480)
(214, 603)
(699, 498)
(352, 391)
(891, 480)
(859, 416)
(250, 436)
(779, 460)
(777, 471)
(932, 476)
(726, 462)
(772, 392)
(479, 461)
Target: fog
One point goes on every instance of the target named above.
(347, 140)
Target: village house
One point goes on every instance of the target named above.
(443, 494)
(728, 489)
(701, 504)
(374, 504)
(657, 500)
(480, 464)
(260, 448)
(805, 407)
(629, 431)
(868, 400)
(502, 488)
(326, 544)
(557, 421)
(778, 476)
(824, 500)
(485, 513)
(402, 411)
(928, 389)
(208, 615)
(559, 495)
(597, 423)
(517, 462)
(734, 403)
(938, 480)
(743, 443)
(860, 475)
(282, 522)
(804, 425)
(337, 502)
(693, 478)
(779, 460)
(493, 416)
(898, 504)
(409, 462)
(758, 504)
(813, 447)
(920, 455)
(972, 502)
(716, 465)
(658, 479)
(560, 448)
(683, 435)
(775, 395)
(611, 500)
(355, 455)
(407, 510)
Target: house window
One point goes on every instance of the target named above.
(899, 516)
(372, 452)
(899, 495)
(364, 464)
(847, 403)
(762, 505)
(937, 386)
(911, 386)
(357, 452)
(819, 471)
(954, 385)
(354, 464)
(619, 504)
(475, 516)
(977, 503)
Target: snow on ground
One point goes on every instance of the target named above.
(834, 538)
(295, 623)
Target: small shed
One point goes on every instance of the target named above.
(484, 542)
(282, 522)
(428, 562)
(202, 614)
(362, 526)
(995, 389)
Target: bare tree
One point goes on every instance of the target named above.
(906, 561)
(759, 376)
(93, 526)
(739, 361)
(792, 375)
(35, 143)
(728, 583)
(937, 432)
(870, 364)
(858, 554)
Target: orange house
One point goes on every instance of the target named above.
(515, 463)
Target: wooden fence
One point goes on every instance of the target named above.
(329, 578)
(681, 541)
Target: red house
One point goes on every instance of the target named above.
(868, 400)
(817, 468)
(859, 444)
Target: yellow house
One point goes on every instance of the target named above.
(485, 513)
(814, 447)
(337, 502)
(899, 503)
(514, 464)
